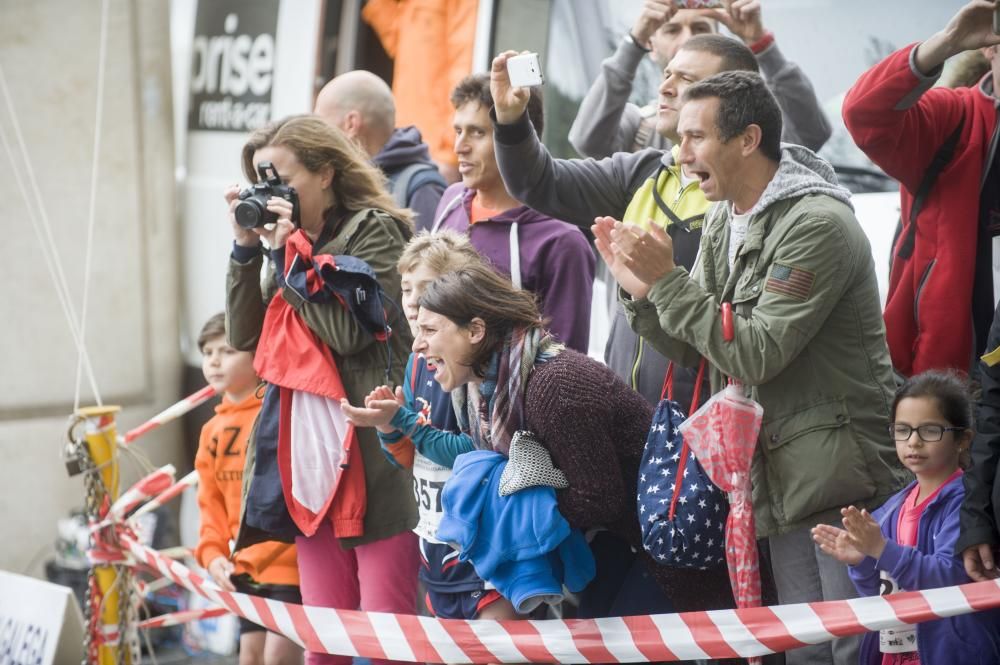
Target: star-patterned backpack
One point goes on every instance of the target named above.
(681, 512)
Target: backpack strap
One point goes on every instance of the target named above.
(675, 221)
(427, 176)
(940, 160)
(402, 181)
(668, 384)
(685, 450)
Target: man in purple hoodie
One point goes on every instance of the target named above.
(544, 255)
(361, 105)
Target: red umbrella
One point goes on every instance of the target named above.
(723, 435)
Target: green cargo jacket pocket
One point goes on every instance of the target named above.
(812, 461)
(748, 289)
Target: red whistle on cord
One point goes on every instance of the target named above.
(728, 333)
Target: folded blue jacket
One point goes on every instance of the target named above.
(519, 543)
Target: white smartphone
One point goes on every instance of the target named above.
(524, 70)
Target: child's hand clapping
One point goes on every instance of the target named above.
(837, 543)
(859, 538)
(863, 531)
(380, 406)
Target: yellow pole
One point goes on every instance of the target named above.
(102, 437)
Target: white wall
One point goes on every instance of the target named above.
(50, 60)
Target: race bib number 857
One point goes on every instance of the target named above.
(428, 482)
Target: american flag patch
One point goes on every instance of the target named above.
(788, 281)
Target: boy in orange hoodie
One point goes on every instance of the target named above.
(266, 569)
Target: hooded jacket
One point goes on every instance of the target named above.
(221, 455)
(553, 259)
(519, 543)
(809, 343)
(933, 563)
(900, 122)
(404, 148)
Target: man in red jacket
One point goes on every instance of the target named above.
(942, 262)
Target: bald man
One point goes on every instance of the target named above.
(361, 105)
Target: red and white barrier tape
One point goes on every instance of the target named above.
(170, 413)
(149, 588)
(166, 495)
(147, 487)
(662, 637)
(184, 616)
(109, 634)
(107, 547)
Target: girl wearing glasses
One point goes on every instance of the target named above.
(909, 543)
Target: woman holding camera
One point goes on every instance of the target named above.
(349, 511)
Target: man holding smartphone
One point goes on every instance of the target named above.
(607, 123)
(942, 267)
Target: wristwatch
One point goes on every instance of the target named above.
(632, 40)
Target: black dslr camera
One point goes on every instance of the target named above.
(251, 211)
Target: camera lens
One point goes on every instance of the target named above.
(248, 214)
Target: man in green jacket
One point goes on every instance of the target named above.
(783, 246)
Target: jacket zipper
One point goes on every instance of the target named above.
(635, 366)
(920, 287)
(681, 191)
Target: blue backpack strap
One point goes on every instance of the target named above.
(407, 181)
(426, 176)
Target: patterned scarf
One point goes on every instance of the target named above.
(499, 410)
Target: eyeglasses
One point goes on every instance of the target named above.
(927, 433)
